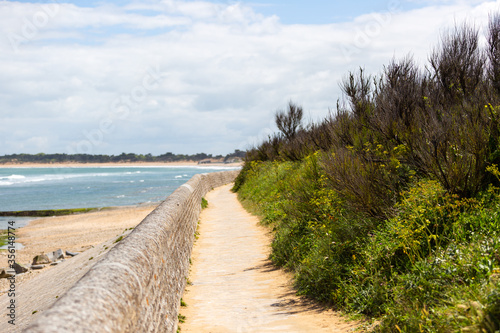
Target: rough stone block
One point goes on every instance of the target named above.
(41, 259)
(20, 268)
(6, 273)
(56, 255)
(37, 266)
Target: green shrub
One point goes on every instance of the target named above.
(413, 270)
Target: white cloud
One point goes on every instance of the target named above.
(85, 73)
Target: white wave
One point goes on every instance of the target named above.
(10, 180)
(19, 179)
(177, 177)
(14, 177)
(132, 173)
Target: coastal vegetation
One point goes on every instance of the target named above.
(122, 158)
(390, 207)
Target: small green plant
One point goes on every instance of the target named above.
(182, 319)
(34, 312)
(183, 303)
(204, 203)
(118, 239)
(3, 237)
(91, 258)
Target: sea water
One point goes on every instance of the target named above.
(89, 187)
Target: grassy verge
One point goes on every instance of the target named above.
(432, 266)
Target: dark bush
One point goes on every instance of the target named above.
(290, 120)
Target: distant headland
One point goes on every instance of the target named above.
(42, 159)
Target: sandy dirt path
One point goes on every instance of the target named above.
(235, 288)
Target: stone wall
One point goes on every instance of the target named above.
(137, 286)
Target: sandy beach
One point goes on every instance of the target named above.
(75, 233)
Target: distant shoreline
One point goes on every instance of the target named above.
(123, 164)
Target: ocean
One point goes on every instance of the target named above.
(86, 187)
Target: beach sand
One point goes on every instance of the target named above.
(75, 233)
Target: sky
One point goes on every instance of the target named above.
(144, 76)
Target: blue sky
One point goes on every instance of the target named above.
(148, 76)
(319, 12)
(295, 11)
(322, 12)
